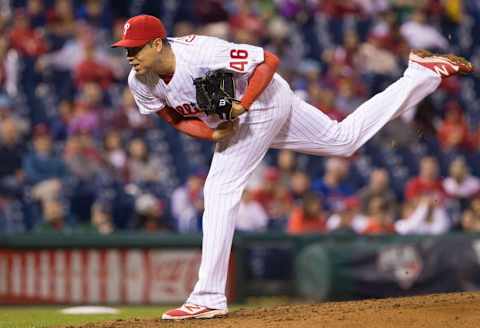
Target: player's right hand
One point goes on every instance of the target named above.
(237, 109)
(225, 130)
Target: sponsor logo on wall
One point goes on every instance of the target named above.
(402, 263)
(130, 276)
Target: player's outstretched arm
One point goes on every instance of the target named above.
(195, 127)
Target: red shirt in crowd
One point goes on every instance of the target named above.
(299, 223)
(90, 70)
(417, 187)
(376, 227)
(453, 131)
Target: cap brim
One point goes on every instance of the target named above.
(129, 43)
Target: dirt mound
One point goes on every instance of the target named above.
(457, 310)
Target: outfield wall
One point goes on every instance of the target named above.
(154, 269)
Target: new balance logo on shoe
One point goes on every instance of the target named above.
(443, 65)
(193, 311)
(442, 70)
(192, 307)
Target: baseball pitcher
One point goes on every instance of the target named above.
(230, 93)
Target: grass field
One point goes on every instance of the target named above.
(50, 316)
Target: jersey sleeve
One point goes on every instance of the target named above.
(147, 102)
(235, 57)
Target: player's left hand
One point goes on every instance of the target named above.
(225, 130)
(237, 109)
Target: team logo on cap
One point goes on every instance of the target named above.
(125, 28)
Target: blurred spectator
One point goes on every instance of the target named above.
(299, 185)
(251, 215)
(92, 95)
(12, 177)
(63, 120)
(347, 100)
(61, 19)
(96, 13)
(307, 218)
(287, 44)
(460, 184)
(286, 165)
(82, 157)
(379, 219)
(426, 182)
(333, 186)
(428, 217)
(386, 30)
(421, 35)
(115, 155)
(142, 165)
(342, 78)
(453, 132)
(373, 58)
(83, 120)
(150, 214)
(43, 169)
(90, 69)
(85, 165)
(127, 117)
(350, 46)
(379, 186)
(310, 72)
(12, 151)
(324, 99)
(246, 27)
(102, 221)
(348, 218)
(36, 11)
(23, 38)
(274, 198)
(54, 217)
(12, 216)
(398, 132)
(187, 204)
(471, 216)
(74, 50)
(9, 68)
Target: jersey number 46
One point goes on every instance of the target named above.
(237, 63)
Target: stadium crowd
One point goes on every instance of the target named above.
(77, 156)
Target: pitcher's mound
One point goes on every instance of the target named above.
(456, 310)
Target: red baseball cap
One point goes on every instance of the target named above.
(139, 30)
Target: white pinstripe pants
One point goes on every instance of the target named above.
(290, 124)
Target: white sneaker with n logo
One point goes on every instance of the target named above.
(193, 311)
(443, 65)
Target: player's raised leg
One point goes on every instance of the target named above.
(311, 131)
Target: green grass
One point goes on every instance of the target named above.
(50, 316)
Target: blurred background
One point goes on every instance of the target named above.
(100, 204)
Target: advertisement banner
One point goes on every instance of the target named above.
(361, 270)
(91, 276)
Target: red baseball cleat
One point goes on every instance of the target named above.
(443, 65)
(192, 311)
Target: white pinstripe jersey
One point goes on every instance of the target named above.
(194, 56)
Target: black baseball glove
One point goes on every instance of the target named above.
(215, 93)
